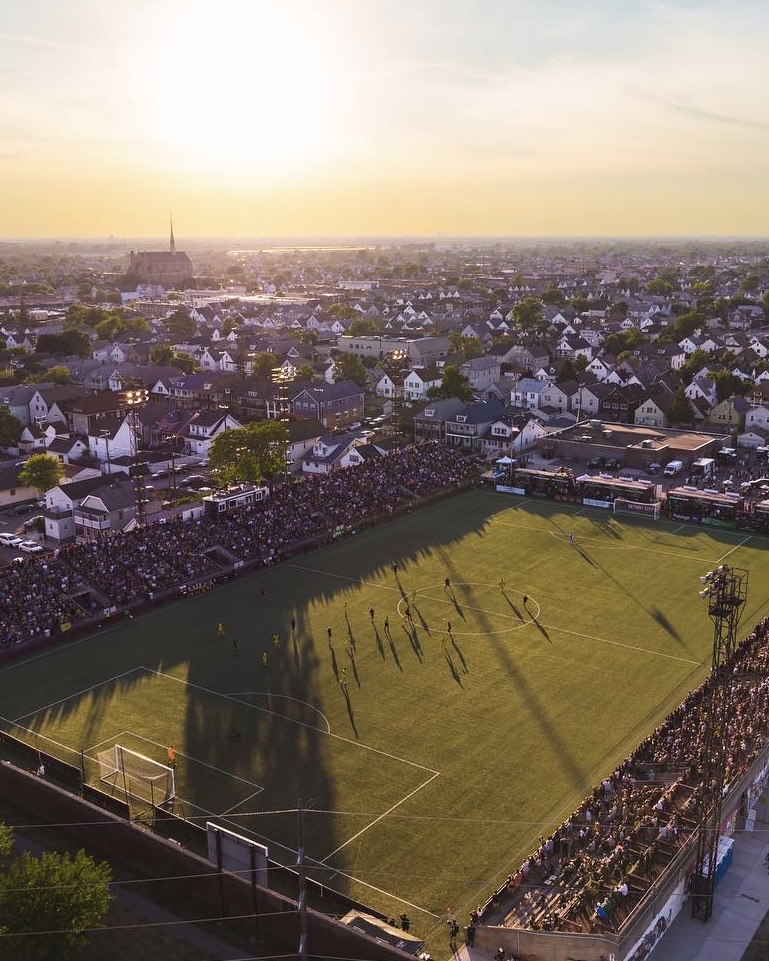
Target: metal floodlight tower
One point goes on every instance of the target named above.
(725, 590)
(281, 378)
(135, 400)
(398, 360)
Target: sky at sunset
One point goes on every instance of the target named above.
(383, 117)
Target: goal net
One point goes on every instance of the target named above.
(137, 776)
(622, 505)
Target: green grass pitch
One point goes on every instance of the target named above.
(431, 763)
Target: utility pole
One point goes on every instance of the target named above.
(302, 901)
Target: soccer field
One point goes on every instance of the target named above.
(430, 760)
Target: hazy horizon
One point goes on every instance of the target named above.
(459, 118)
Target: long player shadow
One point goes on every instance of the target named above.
(379, 644)
(452, 668)
(334, 665)
(460, 655)
(350, 712)
(414, 641)
(394, 652)
(513, 607)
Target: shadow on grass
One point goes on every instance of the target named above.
(379, 644)
(350, 712)
(334, 665)
(394, 651)
(414, 641)
(452, 668)
(460, 655)
(665, 624)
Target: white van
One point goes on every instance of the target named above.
(673, 467)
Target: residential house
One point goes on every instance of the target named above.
(110, 507)
(334, 405)
(60, 502)
(200, 432)
(481, 372)
(468, 426)
(729, 414)
(430, 423)
(418, 381)
(333, 453)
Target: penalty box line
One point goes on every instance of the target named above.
(290, 720)
(260, 788)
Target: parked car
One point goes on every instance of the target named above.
(36, 521)
(22, 509)
(613, 464)
(9, 540)
(31, 547)
(597, 462)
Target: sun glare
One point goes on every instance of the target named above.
(243, 89)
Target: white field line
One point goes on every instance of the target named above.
(87, 690)
(377, 819)
(735, 548)
(337, 737)
(627, 647)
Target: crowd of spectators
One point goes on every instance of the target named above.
(49, 593)
(598, 865)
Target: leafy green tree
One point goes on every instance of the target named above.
(680, 411)
(263, 363)
(528, 313)
(59, 374)
(750, 283)
(552, 295)
(65, 344)
(180, 324)
(728, 384)
(165, 356)
(249, 454)
(305, 372)
(346, 312)
(349, 367)
(361, 325)
(41, 471)
(10, 428)
(47, 902)
(455, 384)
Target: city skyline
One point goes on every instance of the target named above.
(466, 117)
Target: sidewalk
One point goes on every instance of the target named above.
(740, 904)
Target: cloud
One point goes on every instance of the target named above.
(700, 113)
(37, 41)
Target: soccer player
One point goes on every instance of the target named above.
(171, 755)
(220, 629)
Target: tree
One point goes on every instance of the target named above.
(349, 367)
(10, 428)
(66, 343)
(59, 374)
(360, 325)
(263, 363)
(47, 902)
(41, 471)
(249, 454)
(180, 324)
(455, 384)
(680, 411)
(528, 313)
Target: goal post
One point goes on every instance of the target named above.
(622, 505)
(139, 777)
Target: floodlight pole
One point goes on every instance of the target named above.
(726, 591)
(135, 399)
(281, 378)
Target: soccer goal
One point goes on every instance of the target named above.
(622, 505)
(139, 777)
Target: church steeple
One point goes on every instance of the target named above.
(173, 242)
